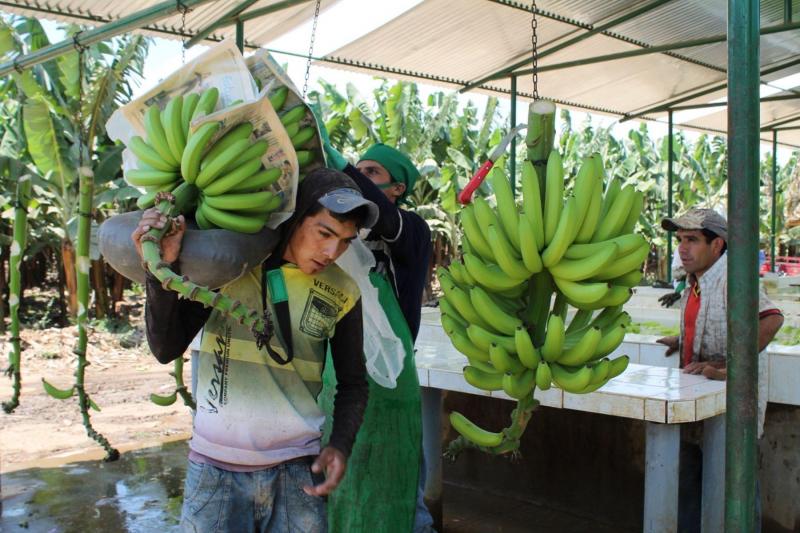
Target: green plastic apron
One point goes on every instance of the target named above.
(378, 492)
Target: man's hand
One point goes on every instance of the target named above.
(333, 463)
(170, 244)
(707, 368)
(672, 344)
(336, 160)
(669, 299)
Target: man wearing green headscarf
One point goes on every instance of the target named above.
(382, 490)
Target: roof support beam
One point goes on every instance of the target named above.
(260, 12)
(237, 14)
(578, 38)
(222, 21)
(89, 37)
(654, 49)
(741, 415)
(778, 98)
(702, 92)
(771, 125)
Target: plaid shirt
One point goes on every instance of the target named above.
(711, 327)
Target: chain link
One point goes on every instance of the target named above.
(183, 9)
(311, 47)
(534, 51)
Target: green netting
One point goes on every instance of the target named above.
(378, 493)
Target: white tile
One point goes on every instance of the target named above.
(784, 375)
(655, 410)
(631, 349)
(653, 354)
(422, 375)
(678, 412)
(634, 390)
(607, 404)
(552, 397)
(454, 381)
(705, 407)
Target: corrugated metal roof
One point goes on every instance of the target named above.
(86, 12)
(454, 42)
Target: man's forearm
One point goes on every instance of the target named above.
(767, 329)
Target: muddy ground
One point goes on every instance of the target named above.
(44, 431)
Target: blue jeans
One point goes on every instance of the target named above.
(270, 500)
(423, 521)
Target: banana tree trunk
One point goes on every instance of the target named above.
(70, 278)
(82, 264)
(117, 290)
(18, 245)
(101, 299)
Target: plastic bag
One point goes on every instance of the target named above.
(383, 351)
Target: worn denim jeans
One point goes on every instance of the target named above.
(270, 500)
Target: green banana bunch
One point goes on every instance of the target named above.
(536, 297)
(236, 191)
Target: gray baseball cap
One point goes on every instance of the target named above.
(698, 219)
(345, 200)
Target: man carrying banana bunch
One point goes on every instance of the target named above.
(703, 343)
(255, 451)
(386, 483)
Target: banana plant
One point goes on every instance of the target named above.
(45, 100)
(18, 247)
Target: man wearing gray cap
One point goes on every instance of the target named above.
(702, 237)
(256, 461)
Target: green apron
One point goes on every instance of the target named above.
(379, 490)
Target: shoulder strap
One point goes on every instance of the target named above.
(273, 285)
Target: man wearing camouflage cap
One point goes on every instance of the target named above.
(702, 236)
(702, 241)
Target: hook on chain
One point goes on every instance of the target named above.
(183, 9)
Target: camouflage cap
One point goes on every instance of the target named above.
(698, 219)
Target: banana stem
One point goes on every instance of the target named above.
(82, 262)
(520, 417)
(180, 388)
(14, 369)
(171, 205)
(540, 136)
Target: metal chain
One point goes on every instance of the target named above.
(311, 47)
(183, 10)
(534, 51)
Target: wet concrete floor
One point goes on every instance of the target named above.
(142, 492)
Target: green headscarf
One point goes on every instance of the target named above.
(400, 167)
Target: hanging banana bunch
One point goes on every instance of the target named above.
(525, 262)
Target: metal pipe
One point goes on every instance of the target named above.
(774, 200)
(222, 21)
(771, 125)
(778, 98)
(512, 124)
(240, 35)
(787, 128)
(89, 37)
(278, 6)
(670, 177)
(743, 192)
(654, 49)
(787, 11)
(553, 49)
(702, 92)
